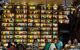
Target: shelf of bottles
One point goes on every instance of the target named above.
(49, 24)
(29, 22)
(33, 24)
(7, 31)
(20, 23)
(63, 15)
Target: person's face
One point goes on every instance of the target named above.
(12, 46)
(55, 41)
(46, 40)
(75, 39)
(69, 42)
(35, 40)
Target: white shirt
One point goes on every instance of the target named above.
(52, 46)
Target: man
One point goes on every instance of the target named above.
(52, 46)
(35, 45)
(59, 44)
(47, 46)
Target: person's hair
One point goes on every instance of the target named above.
(54, 39)
(35, 39)
(15, 42)
(46, 39)
(9, 45)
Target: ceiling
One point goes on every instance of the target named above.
(37, 1)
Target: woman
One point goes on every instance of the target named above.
(35, 45)
(68, 44)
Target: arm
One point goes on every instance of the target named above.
(54, 49)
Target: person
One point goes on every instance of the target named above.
(1, 47)
(23, 45)
(15, 43)
(20, 47)
(75, 42)
(52, 46)
(59, 44)
(8, 48)
(4, 46)
(35, 45)
(12, 47)
(9, 45)
(47, 45)
(68, 45)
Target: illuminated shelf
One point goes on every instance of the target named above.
(28, 22)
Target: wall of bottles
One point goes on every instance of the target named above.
(24, 23)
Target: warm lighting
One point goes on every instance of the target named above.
(43, 44)
(12, 14)
(49, 6)
(55, 7)
(5, 44)
(60, 13)
(23, 3)
(55, 25)
(60, 16)
(66, 20)
(32, 7)
(24, 6)
(66, 12)
(55, 36)
(18, 6)
(31, 3)
(10, 7)
(55, 28)
(61, 21)
(4, 11)
(5, 6)
(24, 11)
(66, 17)
(24, 36)
(73, 9)
(8, 11)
